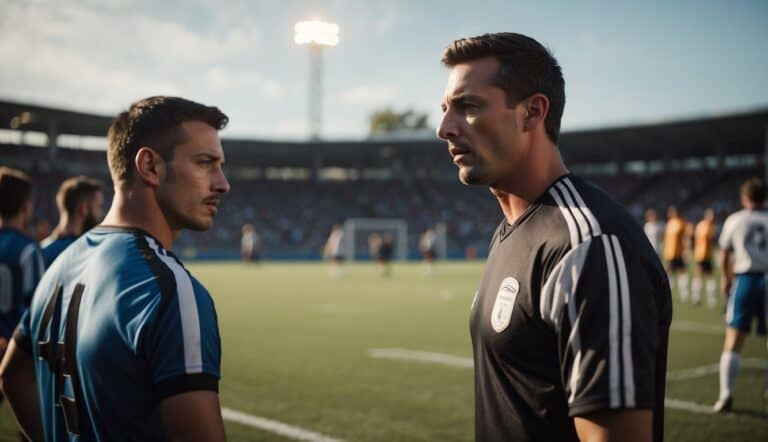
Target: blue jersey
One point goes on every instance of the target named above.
(53, 247)
(131, 326)
(21, 267)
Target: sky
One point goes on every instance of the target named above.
(624, 62)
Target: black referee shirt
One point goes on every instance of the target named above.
(571, 317)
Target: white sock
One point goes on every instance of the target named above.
(729, 369)
(696, 290)
(682, 285)
(711, 292)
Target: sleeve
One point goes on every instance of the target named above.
(22, 333)
(182, 343)
(32, 268)
(602, 307)
(726, 236)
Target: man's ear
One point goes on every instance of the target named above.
(536, 109)
(150, 166)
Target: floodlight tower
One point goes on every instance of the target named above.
(317, 35)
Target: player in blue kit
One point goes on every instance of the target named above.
(122, 340)
(21, 264)
(79, 201)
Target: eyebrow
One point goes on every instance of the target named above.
(209, 156)
(464, 96)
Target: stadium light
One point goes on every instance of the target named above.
(317, 35)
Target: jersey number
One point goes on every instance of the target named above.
(6, 289)
(61, 356)
(756, 237)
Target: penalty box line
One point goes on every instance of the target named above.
(274, 426)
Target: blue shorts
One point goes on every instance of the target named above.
(747, 302)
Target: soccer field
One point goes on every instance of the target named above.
(338, 357)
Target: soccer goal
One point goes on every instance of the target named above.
(356, 231)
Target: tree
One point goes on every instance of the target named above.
(387, 120)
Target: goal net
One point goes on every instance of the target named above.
(357, 230)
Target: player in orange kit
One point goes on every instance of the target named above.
(676, 245)
(703, 246)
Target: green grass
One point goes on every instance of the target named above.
(295, 349)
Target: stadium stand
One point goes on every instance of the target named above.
(293, 192)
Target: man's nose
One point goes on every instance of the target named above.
(448, 129)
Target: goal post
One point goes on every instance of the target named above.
(355, 227)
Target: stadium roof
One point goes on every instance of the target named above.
(21, 116)
(740, 133)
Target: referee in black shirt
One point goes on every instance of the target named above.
(571, 318)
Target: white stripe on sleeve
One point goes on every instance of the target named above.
(28, 264)
(581, 221)
(572, 229)
(587, 211)
(626, 327)
(613, 326)
(190, 320)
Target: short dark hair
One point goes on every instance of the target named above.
(754, 190)
(15, 190)
(153, 122)
(526, 68)
(74, 191)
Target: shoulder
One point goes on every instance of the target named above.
(176, 283)
(734, 220)
(593, 216)
(588, 211)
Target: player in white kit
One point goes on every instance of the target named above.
(744, 241)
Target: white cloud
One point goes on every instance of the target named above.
(169, 40)
(370, 94)
(225, 80)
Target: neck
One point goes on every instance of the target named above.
(137, 208)
(15, 222)
(538, 170)
(68, 226)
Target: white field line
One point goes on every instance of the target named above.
(705, 370)
(698, 327)
(421, 356)
(457, 361)
(693, 407)
(276, 427)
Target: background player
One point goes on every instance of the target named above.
(140, 353)
(654, 230)
(703, 246)
(744, 263)
(79, 201)
(333, 251)
(676, 249)
(381, 247)
(21, 264)
(250, 244)
(427, 244)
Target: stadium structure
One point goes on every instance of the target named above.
(294, 192)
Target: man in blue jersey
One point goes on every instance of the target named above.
(79, 201)
(744, 263)
(21, 264)
(123, 341)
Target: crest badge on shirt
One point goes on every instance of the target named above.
(505, 304)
